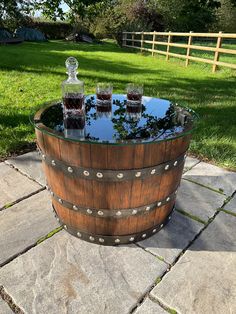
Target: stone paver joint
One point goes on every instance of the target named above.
(36, 221)
(8, 305)
(173, 239)
(14, 186)
(214, 177)
(30, 165)
(197, 201)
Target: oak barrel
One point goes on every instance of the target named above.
(109, 194)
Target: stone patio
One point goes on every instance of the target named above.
(188, 267)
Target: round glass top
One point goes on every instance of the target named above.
(119, 124)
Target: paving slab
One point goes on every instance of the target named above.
(67, 275)
(24, 223)
(190, 162)
(198, 201)
(30, 164)
(231, 206)
(14, 185)
(214, 177)
(203, 280)
(150, 307)
(4, 308)
(173, 238)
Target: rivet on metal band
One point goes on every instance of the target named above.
(114, 213)
(111, 175)
(115, 239)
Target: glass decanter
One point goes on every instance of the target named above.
(73, 102)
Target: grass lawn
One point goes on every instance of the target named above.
(31, 74)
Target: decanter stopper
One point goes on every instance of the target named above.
(72, 66)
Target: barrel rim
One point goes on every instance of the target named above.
(35, 120)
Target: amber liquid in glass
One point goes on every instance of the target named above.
(134, 97)
(104, 96)
(104, 100)
(74, 117)
(73, 101)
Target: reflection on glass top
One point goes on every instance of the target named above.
(158, 120)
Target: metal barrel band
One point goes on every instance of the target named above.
(113, 213)
(115, 240)
(112, 175)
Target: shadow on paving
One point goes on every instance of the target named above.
(181, 233)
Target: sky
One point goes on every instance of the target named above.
(63, 6)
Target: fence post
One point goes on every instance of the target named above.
(153, 40)
(125, 39)
(190, 38)
(168, 46)
(142, 37)
(217, 54)
(132, 39)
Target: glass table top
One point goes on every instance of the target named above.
(159, 120)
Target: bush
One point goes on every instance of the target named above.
(52, 30)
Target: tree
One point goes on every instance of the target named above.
(226, 16)
(53, 8)
(189, 15)
(14, 11)
(111, 18)
(14, 8)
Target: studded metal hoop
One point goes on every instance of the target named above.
(114, 240)
(113, 213)
(111, 175)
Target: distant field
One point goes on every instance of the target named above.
(31, 74)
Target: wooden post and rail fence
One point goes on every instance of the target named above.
(131, 38)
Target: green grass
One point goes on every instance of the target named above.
(31, 74)
(49, 235)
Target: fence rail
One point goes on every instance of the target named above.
(168, 36)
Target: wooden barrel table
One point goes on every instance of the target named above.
(118, 183)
